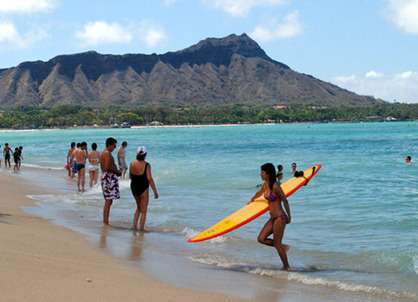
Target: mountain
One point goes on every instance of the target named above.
(215, 71)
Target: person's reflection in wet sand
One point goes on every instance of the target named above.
(136, 246)
(103, 236)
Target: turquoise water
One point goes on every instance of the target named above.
(355, 227)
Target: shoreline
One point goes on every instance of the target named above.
(102, 261)
(202, 125)
(45, 262)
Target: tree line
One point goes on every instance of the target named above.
(70, 115)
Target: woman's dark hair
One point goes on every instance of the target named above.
(141, 156)
(279, 168)
(94, 146)
(124, 144)
(110, 141)
(72, 144)
(78, 145)
(271, 172)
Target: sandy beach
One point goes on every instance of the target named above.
(44, 262)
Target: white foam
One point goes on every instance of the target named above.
(415, 262)
(42, 167)
(190, 233)
(222, 262)
(348, 286)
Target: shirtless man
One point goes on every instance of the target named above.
(20, 156)
(110, 181)
(80, 157)
(123, 167)
(69, 165)
(7, 153)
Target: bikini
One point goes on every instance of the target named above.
(273, 198)
(139, 183)
(94, 167)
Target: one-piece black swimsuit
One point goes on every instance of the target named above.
(139, 183)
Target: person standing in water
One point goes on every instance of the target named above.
(69, 164)
(16, 159)
(7, 154)
(141, 180)
(110, 181)
(123, 167)
(279, 173)
(408, 160)
(73, 161)
(80, 157)
(20, 156)
(278, 217)
(93, 166)
(294, 168)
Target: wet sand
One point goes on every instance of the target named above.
(43, 262)
(78, 260)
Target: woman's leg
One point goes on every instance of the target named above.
(137, 211)
(278, 232)
(265, 232)
(96, 176)
(91, 175)
(144, 208)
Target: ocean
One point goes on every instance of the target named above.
(354, 227)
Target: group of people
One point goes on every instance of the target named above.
(17, 155)
(79, 158)
(141, 179)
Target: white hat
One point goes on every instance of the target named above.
(141, 150)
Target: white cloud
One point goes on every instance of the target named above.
(406, 75)
(10, 37)
(240, 8)
(289, 27)
(168, 2)
(25, 6)
(100, 32)
(346, 79)
(402, 87)
(151, 34)
(373, 74)
(404, 14)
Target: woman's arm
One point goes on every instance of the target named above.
(258, 193)
(151, 182)
(278, 190)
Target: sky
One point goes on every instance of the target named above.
(367, 46)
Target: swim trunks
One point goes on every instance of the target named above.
(110, 186)
(122, 164)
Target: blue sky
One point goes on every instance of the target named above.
(368, 46)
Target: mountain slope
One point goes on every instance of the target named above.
(226, 70)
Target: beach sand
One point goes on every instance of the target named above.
(43, 262)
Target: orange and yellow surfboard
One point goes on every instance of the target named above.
(253, 210)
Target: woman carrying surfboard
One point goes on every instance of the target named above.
(275, 196)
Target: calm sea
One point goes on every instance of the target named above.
(354, 227)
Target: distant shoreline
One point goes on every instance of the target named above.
(200, 125)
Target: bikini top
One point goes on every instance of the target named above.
(271, 197)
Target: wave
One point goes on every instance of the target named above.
(299, 274)
(190, 233)
(34, 166)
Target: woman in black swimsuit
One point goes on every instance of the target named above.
(141, 180)
(279, 217)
